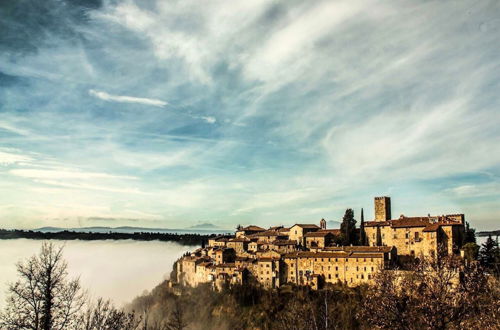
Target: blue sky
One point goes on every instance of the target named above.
(172, 113)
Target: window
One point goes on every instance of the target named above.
(416, 235)
(336, 259)
(365, 269)
(373, 269)
(329, 276)
(373, 235)
(369, 277)
(362, 276)
(407, 234)
(336, 267)
(383, 235)
(357, 268)
(336, 275)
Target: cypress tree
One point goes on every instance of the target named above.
(362, 233)
(348, 228)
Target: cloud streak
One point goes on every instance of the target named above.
(126, 99)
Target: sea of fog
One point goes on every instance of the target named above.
(117, 270)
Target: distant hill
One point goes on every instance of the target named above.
(206, 225)
(332, 224)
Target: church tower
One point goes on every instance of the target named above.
(382, 208)
(322, 224)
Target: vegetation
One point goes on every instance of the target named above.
(44, 298)
(444, 294)
(489, 256)
(184, 239)
(438, 294)
(469, 234)
(348, 233)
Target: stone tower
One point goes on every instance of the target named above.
(382, 208)
(322, 224)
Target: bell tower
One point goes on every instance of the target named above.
(322, 224)
(382, 208)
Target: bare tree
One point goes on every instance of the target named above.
(43, 297)
(177, 319)
(104, 316)
(435, 294)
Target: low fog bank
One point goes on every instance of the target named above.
(118, 270)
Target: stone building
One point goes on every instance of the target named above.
(332, 267)
(318, 239)
(298, 231)
(415, 236)
(306, 254)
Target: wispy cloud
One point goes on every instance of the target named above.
(127, 99)
(277, 110)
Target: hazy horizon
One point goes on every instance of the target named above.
(118, 270)
(168, 114)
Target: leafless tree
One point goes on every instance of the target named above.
(177, 319)
(435, 294)
(104, 316)
(43, 297)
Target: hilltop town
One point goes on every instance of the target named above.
(309, 254)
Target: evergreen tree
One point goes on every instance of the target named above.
(489, 255)
(362, 234)
(469, 234)
(348, 228)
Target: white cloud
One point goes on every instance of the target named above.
(209, 119)
(127, 99)
(64, 174)
(10, 156)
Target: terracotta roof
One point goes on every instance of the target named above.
(308, 226)
(252, 228)
(240, 239)
(437, 225)
(410, 222)
(284, 242)
(407, 222)
(318, 234)
(267, 233)
(284, 229)
(267, 259)
(333, 231)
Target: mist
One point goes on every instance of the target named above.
(116, 270)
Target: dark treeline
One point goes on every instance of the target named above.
(489, 233)
(184, 239)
